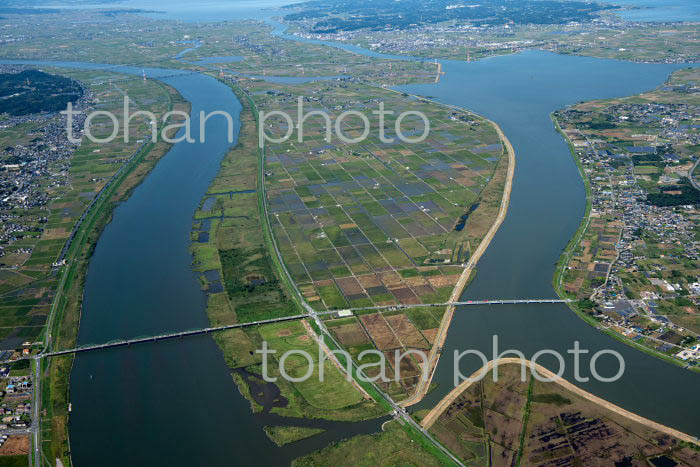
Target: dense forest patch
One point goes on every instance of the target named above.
(33, 91)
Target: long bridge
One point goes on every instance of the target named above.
(172, 335)
(193, 332)
(463, 303)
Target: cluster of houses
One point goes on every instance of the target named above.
(449, 36)
(29, 170)
(15, 405)
(490, 39)
(619, 195)
(18, 385)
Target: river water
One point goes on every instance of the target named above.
(547, 205)
(651, 11)
(175, 403)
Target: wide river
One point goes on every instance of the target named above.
(174, 403)
(170, 403)
(547, 205)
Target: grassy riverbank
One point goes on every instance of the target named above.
(393, 446)
(63, 323)
(246, 281)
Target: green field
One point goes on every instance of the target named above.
(282, 435)
(392, 447)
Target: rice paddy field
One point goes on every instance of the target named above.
(358, 225)
(377, 223)
(238, 273)
(27, 281)
(246, 46)
(390, 332)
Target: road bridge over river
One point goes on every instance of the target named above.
(193, 332)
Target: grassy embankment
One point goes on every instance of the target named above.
(526, 417)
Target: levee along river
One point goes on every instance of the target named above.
(519, 92)
(547, 205)
(176, 403)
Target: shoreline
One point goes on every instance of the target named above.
(435, 413)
